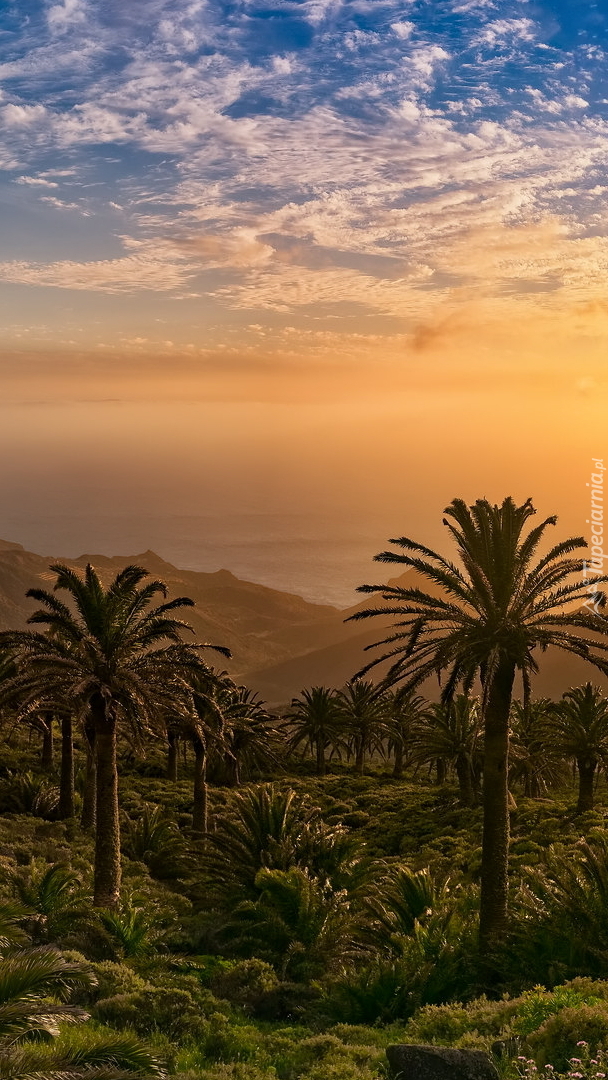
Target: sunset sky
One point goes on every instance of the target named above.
(322, 265)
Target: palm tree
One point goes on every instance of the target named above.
(577, 727)
(253, 742)
(314, 721)
(400, 901)
(298, 922)
(54, 899)
(533, 759)
(205, 729)
(451, 732)
(33, 985)
(364, 715)
(123, 659)
(277, 830)
(487, 618)
(404, 710)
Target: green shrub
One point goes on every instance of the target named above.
(447, 1025)
(169, 1010)
(536, 1006)
(246, 982)
(114, 978)
(30, 794)
(556, 1040)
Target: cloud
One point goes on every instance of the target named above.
(35, 181)
(151, 266)
(65, 15)
(500, 31)
(403, 29)
(395, 186)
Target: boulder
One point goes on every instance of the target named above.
(439, 1063)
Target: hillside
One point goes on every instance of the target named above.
(261, 626)
(280, 642)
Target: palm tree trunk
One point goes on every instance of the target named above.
(172, 755)
(106, 876)
(48, 755)
(586, 778)
(495, 840)
(465, 781)
(320, 757)
(398, 766)
(201, 801)
(233, 770)
(89, 795)
(528, 785)
(360, 756)
(441, 770)
(66, 781)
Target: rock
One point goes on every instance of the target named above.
(439, 1063)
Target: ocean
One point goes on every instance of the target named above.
(319, 558)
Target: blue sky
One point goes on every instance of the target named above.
(323, 158)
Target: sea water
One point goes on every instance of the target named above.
(317, 557)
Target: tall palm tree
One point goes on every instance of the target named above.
(487, 618)
(364, 714)
(314, 721)
(451, 732)
(577, 727)
(123, 657)
(204, 728)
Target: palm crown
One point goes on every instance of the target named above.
(491, 613)
(121, 656)
(112, 644)
(500, 604)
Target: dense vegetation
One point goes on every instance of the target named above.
(260, 895)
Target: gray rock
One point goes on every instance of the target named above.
(439, 1063)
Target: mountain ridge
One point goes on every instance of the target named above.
(280, 642)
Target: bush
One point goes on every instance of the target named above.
(246, 983)
(172, 1011)
(536, 1006)
(447, 1025)
(114, 978)
(555, 1042)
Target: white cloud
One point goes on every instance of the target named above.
(24, 116)
(500, 31)
(573, 101)
(155, 266)
(62, 16)
(403, 29)
(35, 181)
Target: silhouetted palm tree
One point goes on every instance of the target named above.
(120, 656)
(452, 732)
(404, 710)
(532, 755)
(577, 727)
(252, 738)
(314, 721)
(205, 730)
(487, 619)
(364, 714)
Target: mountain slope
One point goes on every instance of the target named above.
(280, 642)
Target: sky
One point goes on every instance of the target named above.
(305, 270)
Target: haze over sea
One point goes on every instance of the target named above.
(317, 558)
